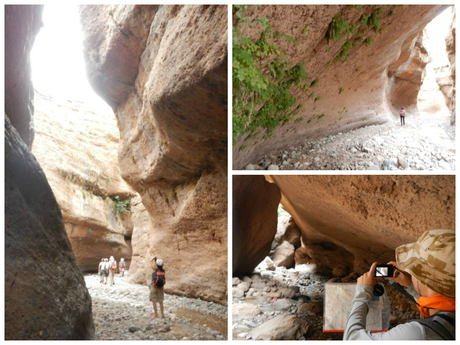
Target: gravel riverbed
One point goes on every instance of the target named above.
(123, 312)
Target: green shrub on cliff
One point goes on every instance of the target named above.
(262, 80)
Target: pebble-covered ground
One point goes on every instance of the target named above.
(123, 312)
(299, 292)
(425, 142)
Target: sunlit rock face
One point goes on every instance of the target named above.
(77, 148)
(366, 88)
(255, 218)
(45, 292)
(351, 221)
(163, 69)
(22, 24)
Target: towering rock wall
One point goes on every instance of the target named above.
(352, 221)
(255, 218)
(77, 148)
(163, 69)
(45, 293)
(363, 86)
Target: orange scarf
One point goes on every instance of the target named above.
(435, 302)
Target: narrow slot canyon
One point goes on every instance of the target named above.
(115, 145)
(293, 236)
(351, 68)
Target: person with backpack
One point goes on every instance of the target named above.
(105, 270)
(112, 270)
(402, 115)
(121, 267)
(427, 269)
(156, 288)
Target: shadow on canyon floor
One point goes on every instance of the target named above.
(122, 312)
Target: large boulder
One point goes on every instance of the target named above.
(77, 148)
(255, 202)
(363, 78)
(46, 295)
(284, 255)
(286, 230)
(282, 327)
(163, 69)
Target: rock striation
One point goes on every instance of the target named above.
(363, 78)
(46, 295)
(77, 149)
(163, 69)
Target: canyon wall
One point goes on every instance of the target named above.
(77, 148)
(450, 46)
(255, 218)
(163, 69)
(351, 221)
(358, 83)
(45, 292)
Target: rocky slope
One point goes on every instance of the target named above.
(163, 69)
(358, 84)
(77, 148)
(46, 295)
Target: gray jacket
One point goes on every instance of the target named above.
(356, 324)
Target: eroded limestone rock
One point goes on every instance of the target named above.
(163, 69)
(46, 295)
(366, 88)
(255, 202)
(77, 148)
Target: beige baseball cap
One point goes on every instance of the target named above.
(431, 260)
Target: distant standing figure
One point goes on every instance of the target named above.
(402, 115)
(121, 267)
(156, 288)
(99, 270)
(112, 270)
(105, 270)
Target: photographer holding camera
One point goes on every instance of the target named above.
(427, 269)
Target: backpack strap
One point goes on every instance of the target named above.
(442, 323)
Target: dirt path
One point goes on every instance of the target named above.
(426, 142)
(122, 312)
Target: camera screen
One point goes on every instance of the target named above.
(381, 272)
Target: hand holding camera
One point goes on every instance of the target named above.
(399, 276)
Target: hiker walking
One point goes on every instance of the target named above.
(427, 270)
(112, 270)
(121, 267)
(402, 115)
(105, 270)
(99, 270)
(156, 288)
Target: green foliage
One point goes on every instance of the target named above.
(242, 147)
(368, 41)
(344, 52)
(374, 20)
(338, 27)
(340, 90)
(305, 29)
(262, 82)
(363, 20)
(311, 95)
(120, 206)
(320, 116)
(314, 83)
(317, 99)
(299, 119)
